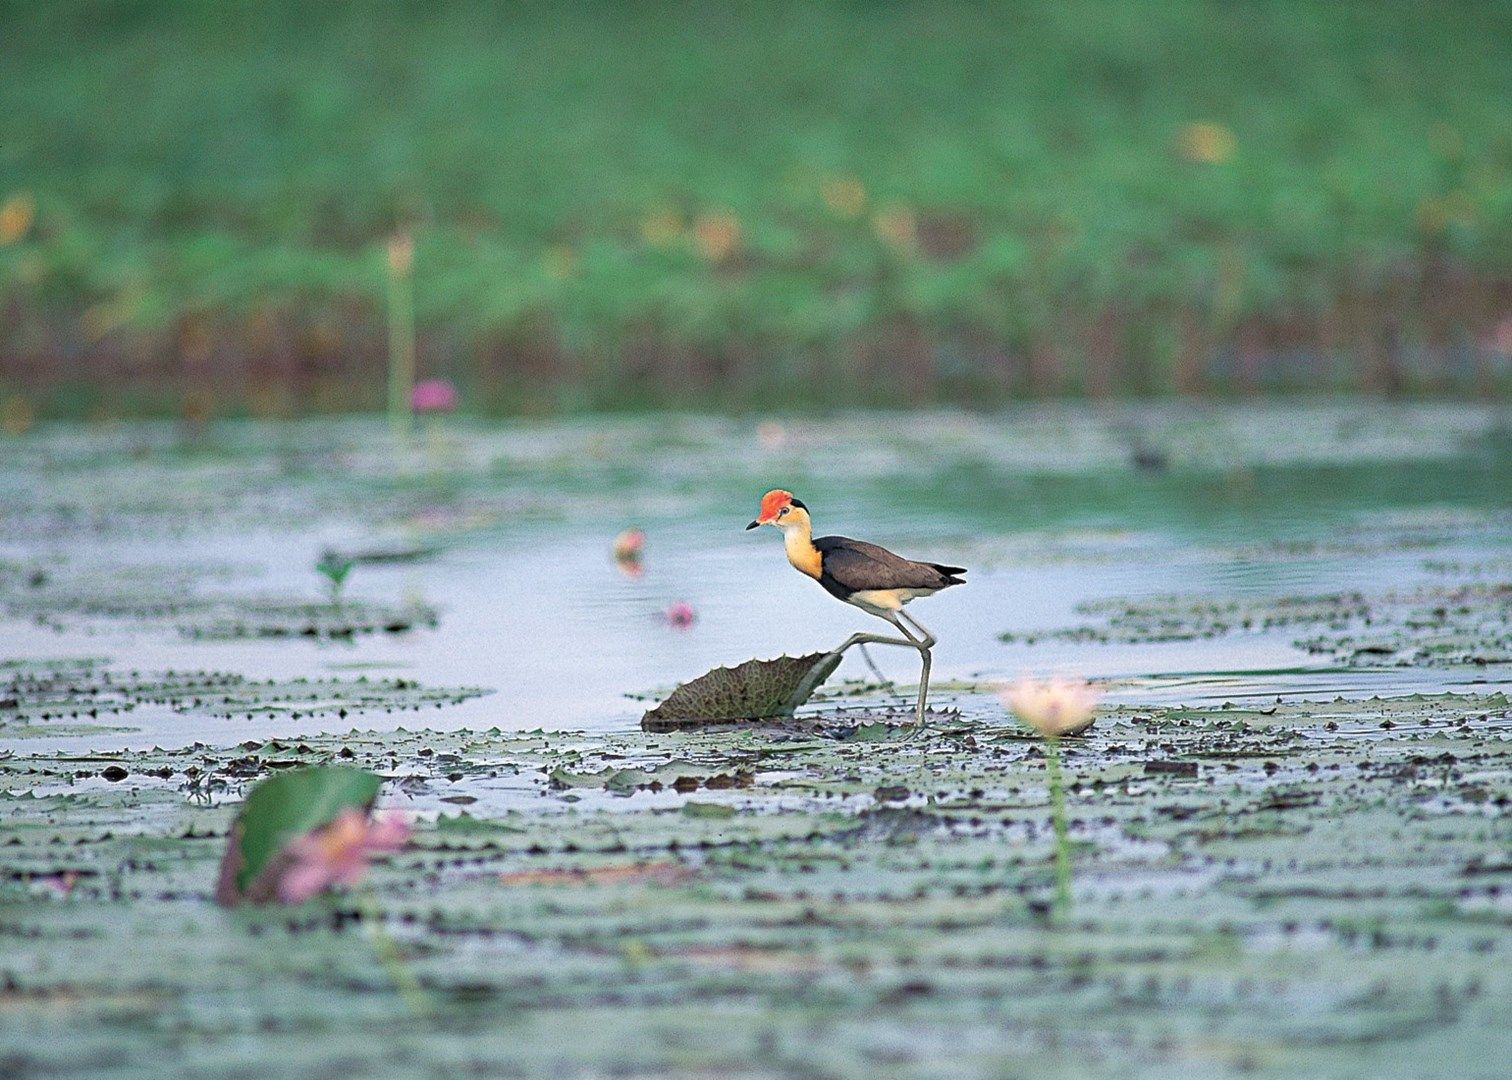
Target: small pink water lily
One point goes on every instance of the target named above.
(433, 396)
(629, 545)
(628, 549)
(680, 614)
(1053, 707)
(338, 853)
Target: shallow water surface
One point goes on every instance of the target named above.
(505, 532)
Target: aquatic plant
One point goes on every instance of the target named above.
(17, 213)
(433, 396)
(431, 399)
(629, 544)
(829, 877)
(337, 853)
(305, 832)
(754, 690)
(334, 567)
(680, 614)
(628, 549)
(1054, 708)
(271, 836)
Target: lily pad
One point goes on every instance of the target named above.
(1326, 896)
(754, 690)
(299, 619)
(37, 696)
(177, 597)
(1430, 626)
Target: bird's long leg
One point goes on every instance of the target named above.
(925, 656)
(877, 639)
(929, 639)
(881, 678)
(923, 646)
(806, 687)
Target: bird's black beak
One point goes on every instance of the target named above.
(752, 525)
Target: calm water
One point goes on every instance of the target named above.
(1048, 513)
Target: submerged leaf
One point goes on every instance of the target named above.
(754, 690)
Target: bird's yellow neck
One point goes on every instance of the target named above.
(798, 540)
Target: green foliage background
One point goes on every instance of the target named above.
(788, 178)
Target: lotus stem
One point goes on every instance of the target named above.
(386, 949)
(1062, 905)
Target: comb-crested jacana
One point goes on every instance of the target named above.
(870, 577)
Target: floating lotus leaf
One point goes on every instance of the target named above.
(41, 696)
(754, 690)
(1277, 899)
(1427, 626)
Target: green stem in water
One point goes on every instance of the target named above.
(1058, 821)
(386, 949)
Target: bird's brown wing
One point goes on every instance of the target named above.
(855, 566)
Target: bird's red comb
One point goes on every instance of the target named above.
(772, 502)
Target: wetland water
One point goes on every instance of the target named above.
(1300, 615)
(506, 534)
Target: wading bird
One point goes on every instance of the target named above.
(870, 577)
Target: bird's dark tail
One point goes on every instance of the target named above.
(952, 573)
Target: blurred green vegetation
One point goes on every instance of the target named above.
(624, 203)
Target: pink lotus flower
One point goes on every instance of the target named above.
(433, 396)
(680, 614)
(1053, 708)
(629, 545)
(338, 853)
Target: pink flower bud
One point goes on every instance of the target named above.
(433, 395)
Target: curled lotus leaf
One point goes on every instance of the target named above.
(279, 809)
(754, 690)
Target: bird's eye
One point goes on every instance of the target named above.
(783, 511)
